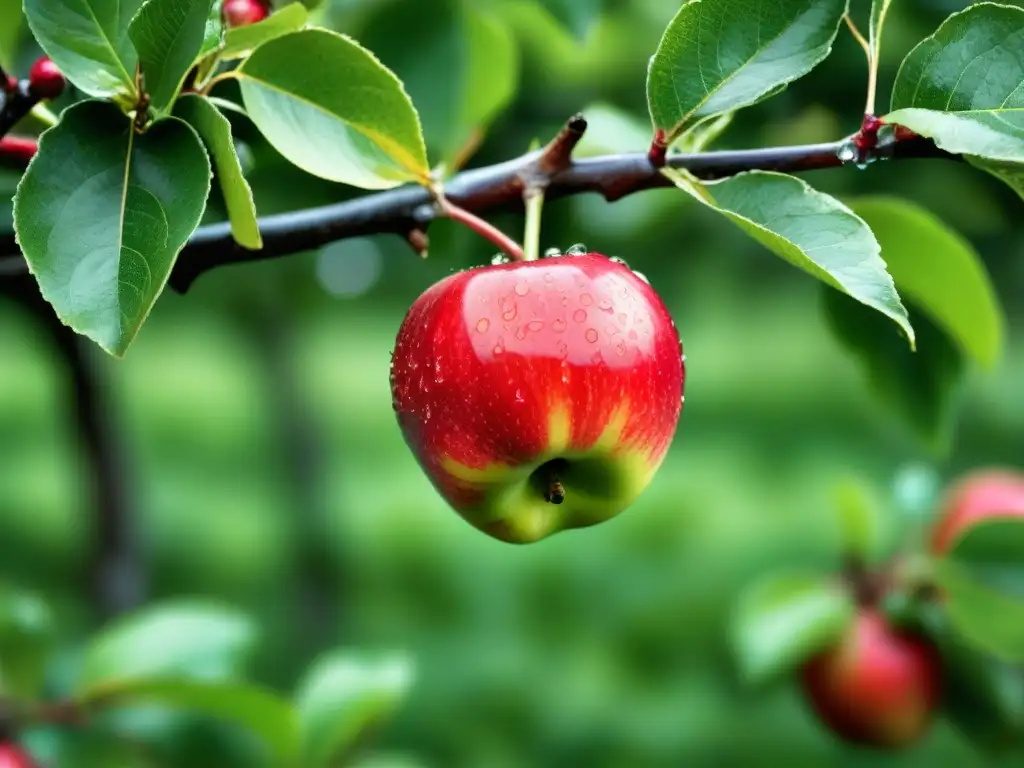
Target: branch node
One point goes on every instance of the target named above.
(419, 240)
(557, 155)
(658, 153)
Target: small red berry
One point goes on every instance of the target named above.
(12, 756)
(12, 83)
(45, 79)
(241, 13)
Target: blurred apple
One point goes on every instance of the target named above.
(539, 396)
(989, 494)
(13, 756)
(878, 686)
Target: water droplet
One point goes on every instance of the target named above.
(552, 253)
(605, 306)
(521, 288)
(548, 277)
(558, 325)
(642, 276)
(617, 260)
(563, 352)
(482, 325)
(576, 250)
(847, 153)
(519, 396)
(620, 348)
(597, 358)
(682, 400)
(586, 299)
(499, 348)
(426, 412)
(521, 332)
(500, 258)
(535, 325)
(591, 335)
(580, 315)
(510, 313)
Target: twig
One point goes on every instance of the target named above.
(489, 188)
(117, 575)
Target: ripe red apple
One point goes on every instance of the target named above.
(241, 13)
(45, 79)
(13, 756)
(878, 686)
(989, 494)
(539, 396)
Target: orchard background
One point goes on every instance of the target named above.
(240, 473)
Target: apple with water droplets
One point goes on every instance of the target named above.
(878, 686)
(976, 498)
(539, 396)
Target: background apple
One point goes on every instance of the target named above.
(539, 396)
(13, 756)
(241, 13)
(879, 686)
(988, 494)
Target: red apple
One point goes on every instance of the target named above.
(12, 756)
(990, 494)
(539, 396)
(45, 79)
(878, 686)
(241, 13)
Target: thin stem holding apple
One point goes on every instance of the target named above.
(483, 228)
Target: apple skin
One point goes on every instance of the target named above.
(878, 686)
(509, 377)
(12, 756)
(241, 13)
(983, 495)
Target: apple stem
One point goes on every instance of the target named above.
(531, 239)
(483, 228)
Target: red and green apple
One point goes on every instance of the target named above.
(978, 497)
(539, 396)
(878, 686)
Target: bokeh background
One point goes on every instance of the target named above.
(264, 467)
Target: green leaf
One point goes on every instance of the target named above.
(707, 131)
(939, 271)
(330, 107)
(213, 36)
(241, 41)
(577, 16)
(215, 131)
(963, 88)
(102, 213)
(260, 711)
(459, 64)
(994, 550)
(807, 228)
(168, 35)
(343, 694)
(879, 13)
(922, 387)
(88, 40)
(720, 55)
(859, 515)
(197, 640)
(26, 640)
(987, 618)
(782, 621)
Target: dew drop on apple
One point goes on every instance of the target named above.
(511, 312)
(563, 353)
(642, 276)
(499, 348)
(558, 325)
(535, 325)
(620, 349)
(580, 315)
(586, 299)
(482, 325)
(499, 258)
(617, 260)
(576, 250)
(521, 332)
(519, 396)
(552, 253)
(605, 306)
(591, 335)
(521, 288)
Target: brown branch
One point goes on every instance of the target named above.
(496, 187)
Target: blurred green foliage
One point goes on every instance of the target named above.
(605, 647)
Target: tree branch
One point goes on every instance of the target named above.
(405, 209)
